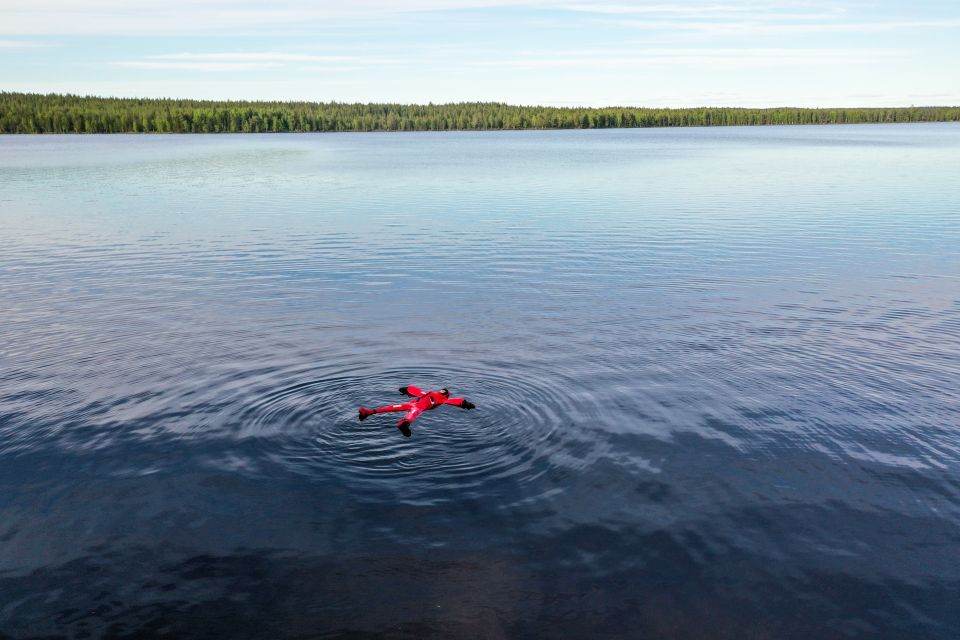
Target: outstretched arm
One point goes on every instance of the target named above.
(413, 391)
(463, 403)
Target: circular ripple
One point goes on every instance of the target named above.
(524, 427)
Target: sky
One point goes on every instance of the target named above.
(656, 53)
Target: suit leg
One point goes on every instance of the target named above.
(406, 406)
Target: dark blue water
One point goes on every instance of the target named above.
(716, 373)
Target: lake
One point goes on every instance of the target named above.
(717, 378)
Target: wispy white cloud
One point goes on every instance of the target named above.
(248, 61)
(760, 17)
(123, 17)
(777, 27)
(21, 44)
(698, 57)
(272, 56)
(622, 58)
(800, 10)
(196, 65)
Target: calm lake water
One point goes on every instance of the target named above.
(717, 378)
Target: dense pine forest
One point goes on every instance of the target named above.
(33, 113)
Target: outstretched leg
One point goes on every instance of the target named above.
(404, 425)
(366, 413)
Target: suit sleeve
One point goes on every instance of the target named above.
(457, 402)
(416, 392)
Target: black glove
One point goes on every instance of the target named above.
(468, 405)
(403, 390)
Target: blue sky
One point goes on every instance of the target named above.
(644, 53)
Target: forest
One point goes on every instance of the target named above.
(53, 113)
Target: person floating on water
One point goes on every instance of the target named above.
(422, 401)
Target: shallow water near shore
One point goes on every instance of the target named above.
(716, 374)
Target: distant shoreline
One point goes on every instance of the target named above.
(24, 113)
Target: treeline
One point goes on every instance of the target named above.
(34, 113)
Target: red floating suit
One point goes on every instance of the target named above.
(422, 401)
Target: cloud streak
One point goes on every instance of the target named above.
(711, 10)
(271, 56)
(124, 17)
(20, 44)
(784, 28)
(196, 66)
(249, 61)
(695, 57)
(550, 59)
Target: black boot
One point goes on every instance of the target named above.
(405, 428)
